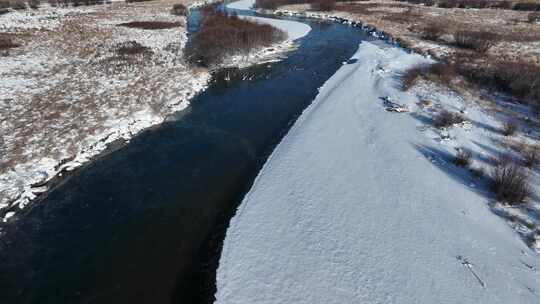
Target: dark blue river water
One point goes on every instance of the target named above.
(144, 224)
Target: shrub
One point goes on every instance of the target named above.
(510, 183)
(478, 41)
(323, 5)
(509, 128)
(221, 35)
(530, 156)
(463, 158)
(520, 79)
(179, 10)
(151, 25)
(432, 32)
(130, 48)
(441, 72)
(411, 75)
(446, 119)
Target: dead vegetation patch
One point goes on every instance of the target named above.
(223, 35)
(479, 41)
(441, 72)
(151, 25)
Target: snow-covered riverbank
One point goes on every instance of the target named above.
(355, 205)
(67, 94)
(294, 30)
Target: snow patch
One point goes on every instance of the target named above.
(355, 205)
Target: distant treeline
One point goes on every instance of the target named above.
(221, 35)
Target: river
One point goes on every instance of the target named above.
(144, 224)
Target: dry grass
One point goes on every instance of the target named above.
(432, 32)
(478, 41)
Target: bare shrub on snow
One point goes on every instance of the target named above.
(411, 76)
(509, 182)
(530, 155)
(439, 72)
(447, 118)
(510, 128)
(463, 158)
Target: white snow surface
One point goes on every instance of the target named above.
(295, 30)
(349, 209)
(242, 4)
